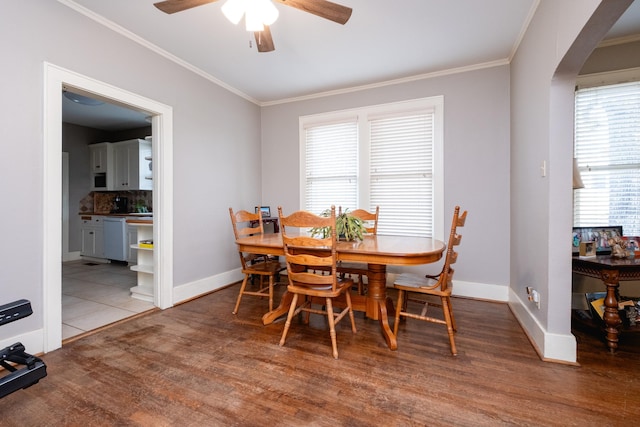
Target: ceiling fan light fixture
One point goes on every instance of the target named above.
(233, 10)
(81, 99)
(253, 21)
(257, 13)
(267, 10)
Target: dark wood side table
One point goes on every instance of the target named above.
(611, 271)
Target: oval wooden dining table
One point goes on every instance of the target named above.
(377, 252)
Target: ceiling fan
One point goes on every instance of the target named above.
(322, 8)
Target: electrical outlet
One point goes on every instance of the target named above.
(536, 298)
(533, 296)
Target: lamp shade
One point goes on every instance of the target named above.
(577, 179)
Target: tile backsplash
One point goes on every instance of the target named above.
(136, 198)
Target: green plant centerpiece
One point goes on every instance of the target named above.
(347, 227)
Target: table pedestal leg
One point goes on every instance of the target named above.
(611, 315)
(377, 302)
(280, 310)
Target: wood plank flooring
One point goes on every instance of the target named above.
(198, 365)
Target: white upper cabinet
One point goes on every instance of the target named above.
(101, 163)
(126, 165)
(100, 156)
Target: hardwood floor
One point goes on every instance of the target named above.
(197, 364)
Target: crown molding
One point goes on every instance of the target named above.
(145, 43)
(620, 40)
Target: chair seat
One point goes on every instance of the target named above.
(265, 268)
(321, 290)
(415, 283)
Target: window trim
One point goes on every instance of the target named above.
(362, 115)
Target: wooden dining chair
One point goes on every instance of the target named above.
(414, 289)
(254, 265)
(359, 270)
(312, 270)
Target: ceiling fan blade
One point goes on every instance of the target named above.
(322, 8)
(173, 6)
(264, 40)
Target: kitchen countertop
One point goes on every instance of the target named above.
(140, 221)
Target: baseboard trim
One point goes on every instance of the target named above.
(556, 348)
(475, 290)
(482, 291)
(33, 341)
(201, 287)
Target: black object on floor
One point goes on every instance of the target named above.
(34, 368)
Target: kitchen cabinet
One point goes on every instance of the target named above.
(132, 165)
(101, 163)
(92, 235)
(100, 156)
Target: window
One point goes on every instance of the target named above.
(607, 147)
(388, 155)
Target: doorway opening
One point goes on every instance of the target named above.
(56, 79)
(100, 282)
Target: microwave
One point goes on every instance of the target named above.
(100, 181)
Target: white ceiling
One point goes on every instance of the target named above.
(385, 40)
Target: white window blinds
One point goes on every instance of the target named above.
(607, 147)
(401, 174)
(331, 166)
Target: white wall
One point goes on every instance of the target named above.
(476, 156)
(216, 158)
(542, 75)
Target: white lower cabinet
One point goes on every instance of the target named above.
(92, 235)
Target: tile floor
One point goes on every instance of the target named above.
(94, 295)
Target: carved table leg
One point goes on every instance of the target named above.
(611, 315)
(377, 304)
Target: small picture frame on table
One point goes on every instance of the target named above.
(265, 210)
(587, 249)
(633, 244)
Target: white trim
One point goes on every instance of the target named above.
(65, 206)
(54, 79)
(425, 76)
(143, 42)
(208, 284)
(523, 30)
(483, 291)
(620, 40)
(31, 340)
(154, 48)
(550, 346)
(608, 78)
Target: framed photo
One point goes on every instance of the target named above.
(266, 211)
(598, 235)
(633, 244)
